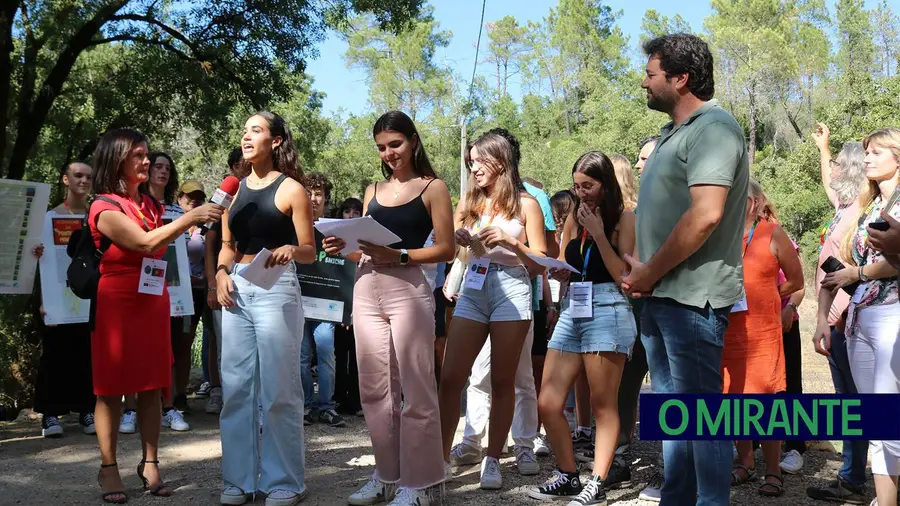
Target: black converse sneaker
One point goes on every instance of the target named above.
(562, 485)
(592, 494)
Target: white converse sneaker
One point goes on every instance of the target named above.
(374, 491)
(411, 497)
(214, 405)
(490, 474)
(526, 462)
(465, 454)
(792, 462)
(173, 420)
(128, 422)
(233, 496)
(279, 497)
(541, 448)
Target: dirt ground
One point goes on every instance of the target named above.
(39, 471)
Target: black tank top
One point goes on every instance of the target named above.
(256, 222)
(410, 221)
(596, 269)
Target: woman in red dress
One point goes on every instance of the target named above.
(131, 349)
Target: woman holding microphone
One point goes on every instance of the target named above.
(393, 314)
(262, 329)
(131, 348)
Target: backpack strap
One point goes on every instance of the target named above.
(105, 242)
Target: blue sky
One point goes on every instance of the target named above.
(347, 89)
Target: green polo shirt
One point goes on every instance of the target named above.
(709, 148)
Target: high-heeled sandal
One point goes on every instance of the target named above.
(107, 497)
(160, 487)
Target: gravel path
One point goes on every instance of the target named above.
(39, 471)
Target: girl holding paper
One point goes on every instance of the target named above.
(495, 221)
(393, 314)
(596, 329)
(262, 329)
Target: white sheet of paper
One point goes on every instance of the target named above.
(357, 229)
(740, 305)
(552, 263)
(257, 274)
(582, 299)
(476, 271)
(153, 276)
(554, 289)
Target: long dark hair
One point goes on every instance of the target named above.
(171, 186)
(109, 159)
(396, 121)
(284, 156)
(599, 167)
(502, 148)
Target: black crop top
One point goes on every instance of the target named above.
(256, 223)
(410, 221)
(596, 271)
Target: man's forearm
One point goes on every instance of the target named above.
(689, 234)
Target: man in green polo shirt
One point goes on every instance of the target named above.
(690, 224)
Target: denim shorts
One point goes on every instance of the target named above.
(504, 297)
(611, 329)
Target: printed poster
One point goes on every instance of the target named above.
(60, 304)
(326, 286)
(23, 205)
(178, 274)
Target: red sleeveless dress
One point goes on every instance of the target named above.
(753, 356)
(131, 348)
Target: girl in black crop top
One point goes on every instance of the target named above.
(393, 316)
(596, 329)
(262, 327)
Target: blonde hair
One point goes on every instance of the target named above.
(887, 138)
(765, 210)
(625, 177)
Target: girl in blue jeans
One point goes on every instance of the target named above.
(261, 328)
(596, 329)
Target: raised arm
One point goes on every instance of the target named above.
(822, 136)
(125, 233)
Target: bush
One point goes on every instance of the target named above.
(20, 350)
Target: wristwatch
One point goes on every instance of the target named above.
(792, 305)
(404, 257)
(862, 276)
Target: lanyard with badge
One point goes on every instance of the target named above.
(741, 305)
(153, 271)
(478, 265)
(581, 294)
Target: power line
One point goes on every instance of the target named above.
(477, 47)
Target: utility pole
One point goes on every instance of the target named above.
(463, 171)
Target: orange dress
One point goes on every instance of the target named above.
(753, 356)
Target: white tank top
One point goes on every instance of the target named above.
(513, 228)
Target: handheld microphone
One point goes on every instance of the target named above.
(224, 195)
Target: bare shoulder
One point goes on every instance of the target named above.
(435, 188)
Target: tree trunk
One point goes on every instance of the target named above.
(29, 125)
(7, 16)
(751, 148)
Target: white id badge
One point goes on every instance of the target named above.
(476, 272)
(153, 276)
(740, 305)
(858, 294)
(581, 299)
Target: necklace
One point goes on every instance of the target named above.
(402, 187)
(260, 183)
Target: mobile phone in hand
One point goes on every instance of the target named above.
(880, 225)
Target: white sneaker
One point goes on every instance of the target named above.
(279, 497)
(233, 496)
(214, 405)
(526, 462)
(411, 497)
(128, 422)
(654, 488)
(173, 420)
(792, 462)
(373, 492)
(541, 448)
(203, 391)
(490, 474)
(464, 454)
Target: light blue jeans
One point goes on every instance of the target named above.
(323, 333)
(261, 338)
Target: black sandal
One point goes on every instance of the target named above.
(107, 497)
(778, 487)
(737, 479)
(160, 487)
